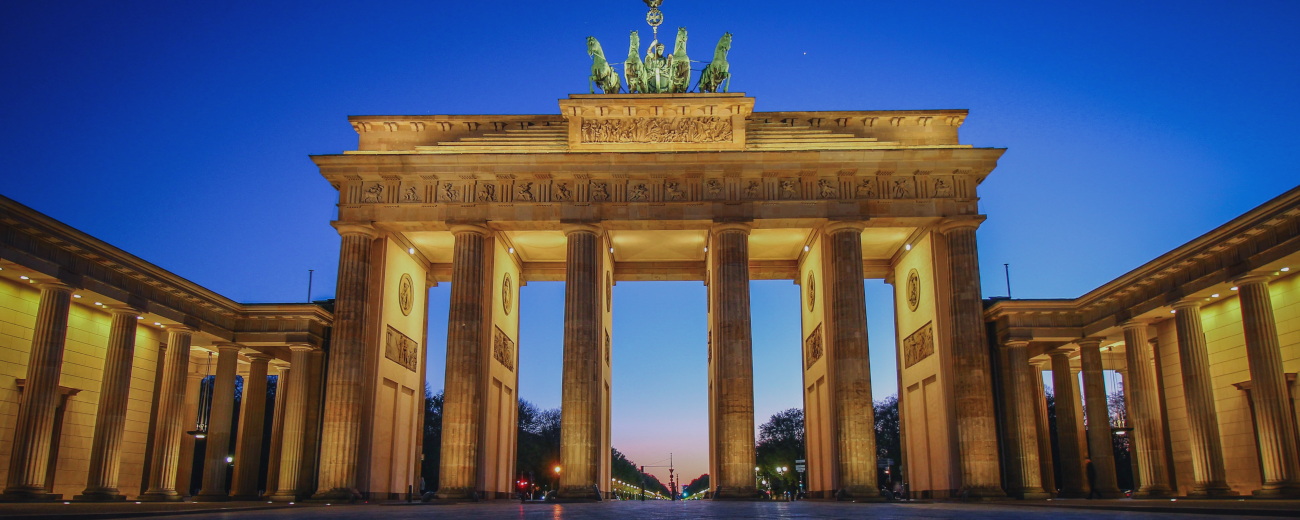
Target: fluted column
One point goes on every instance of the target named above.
(1067, 426)
(219, 420)
(311, 423)
(189, 419)
(973, 385)
(855, 431)
(36, 407)
(344, 393)
(1274, 417)
(169, 424)
(1143, 402)
(295, 417)
(734, 361)
(1101, 449)
(1209, 476)
(110, 418)
(252, 423)
(1043, 431)
(580, 434)
(463, 409)
(282, 376)
(1023, 420)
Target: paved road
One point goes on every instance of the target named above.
(690, 509)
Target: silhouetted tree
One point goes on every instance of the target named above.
(628, 471)
(539, 444)
(432, 438)
(701, 483)
(780, 443)
(889, 443)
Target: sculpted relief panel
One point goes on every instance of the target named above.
(503, 349)
(401, 350)
(919, 345)
(657, 130)
(812, 347)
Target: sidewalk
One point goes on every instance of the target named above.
(1230, 507)
(107, 510)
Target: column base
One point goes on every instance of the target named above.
(1212, 491)
(737, 493)
(160, 496)
(578, 494)
(1072, 493)
(100, 496)
(1280, 491)
(246, 498)
(1031, 494)
(336, 495)
(462, 494)
(1110, 493)
(1155, 492)
(980, 494)
(278, 496)
(29, 496)
(211, 497)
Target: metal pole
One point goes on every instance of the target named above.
(1007, 269)
(310, 272)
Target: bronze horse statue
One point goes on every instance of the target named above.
(680, 65)
(601, 73)
(633, 69)
(718, 70)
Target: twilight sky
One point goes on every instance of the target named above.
(180, 132)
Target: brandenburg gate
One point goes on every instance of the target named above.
(668, 186)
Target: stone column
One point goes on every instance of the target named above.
(189, 419)
(855, 424)
(463, 409)
(1274, 418)
(110, 418)
(972, 386)
(580, 435)
(1101, 449)
(341, 425)
(1067, 428)
(295, 417)
(252, 423)
(1198, 390)
(734, 361)
(311, 424)
(223, 409)
(169, 424)
(1043, 432)
(1022, 418)
(34, 424)
(282, 377)
(1143, 403)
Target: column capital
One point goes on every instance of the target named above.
(355, 228)
(1187, 303)
(1015, 342)
(53, 284)
(722, 227)
(125, 310)
(460, 229)
(836, 226)
(1061, 351)
(1250, 279)
(570, 228)
(1088, 342)
(256, 357)
(225, 346)
(954, 223)
(300, 347)
(1140, 323)
(179, 328)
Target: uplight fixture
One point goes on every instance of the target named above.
(706, 249)
(1284, 269)
(76, 296)
(511, 250)
(24, 277)
(1215, 295)
(1233, 289)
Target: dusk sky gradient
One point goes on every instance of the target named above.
(179, 132)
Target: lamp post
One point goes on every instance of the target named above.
(781, 472)
(556, 488)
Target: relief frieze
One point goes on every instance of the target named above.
(919, 345)
(401, 349)
(657, 130)
(503, 349)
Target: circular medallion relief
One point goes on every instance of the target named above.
(913, 290)
(507, 293)
(812, 291)
(405, 294)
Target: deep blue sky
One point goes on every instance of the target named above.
(180, 132)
